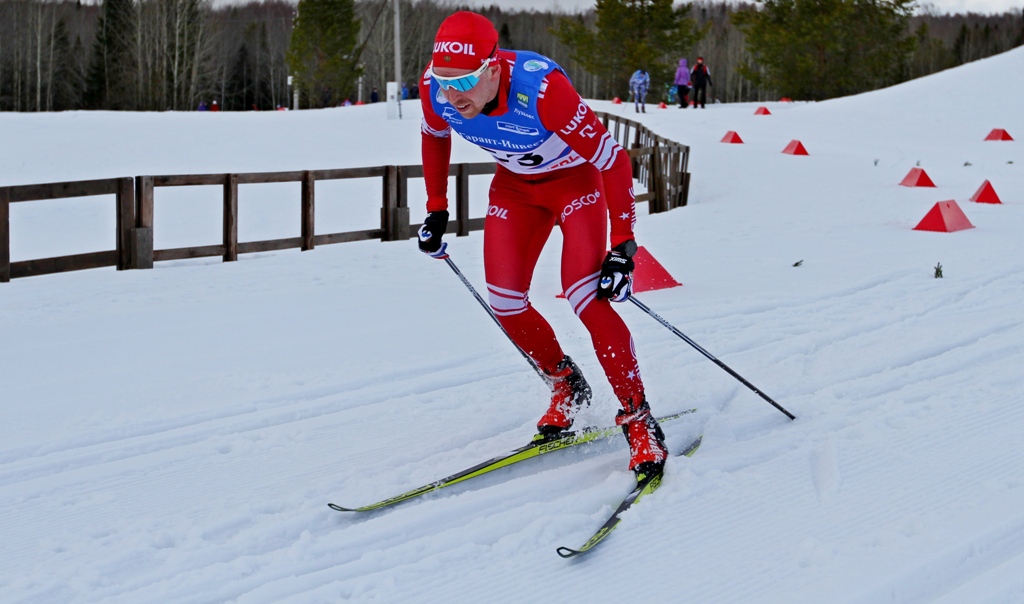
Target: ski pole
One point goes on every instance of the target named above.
(710, 356)
(490, 312)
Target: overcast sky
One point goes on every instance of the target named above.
(942, 6)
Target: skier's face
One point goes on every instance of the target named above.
(469, 103)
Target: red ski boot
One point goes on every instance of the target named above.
(569, 393)
(646, 440)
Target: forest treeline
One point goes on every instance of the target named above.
(156, 55)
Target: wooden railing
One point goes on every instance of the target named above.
(658, 163)
(124, 195)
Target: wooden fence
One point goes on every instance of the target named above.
(658, 163)
(124, 194)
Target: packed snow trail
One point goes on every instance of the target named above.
(172, 435)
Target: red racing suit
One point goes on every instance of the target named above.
(591, 183)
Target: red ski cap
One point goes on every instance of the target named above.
(464, 41)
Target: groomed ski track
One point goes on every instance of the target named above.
(197, 467)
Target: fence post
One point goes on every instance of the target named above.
(462, 200)
(5, 235)
(634, 163)
(144, 201)
(125, 221)
(387, 213)
(679, 178)
(666, 179)
(142, 234)
(400, 213)
(656, 181)
(230, 217)
(685, 185)
(670, 177)
(308, 210)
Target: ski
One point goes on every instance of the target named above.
(538, 446)
(645, 486)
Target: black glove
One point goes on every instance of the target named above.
(431, 232)
(617, 273)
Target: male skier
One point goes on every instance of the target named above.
(639, 82)
(556, 165)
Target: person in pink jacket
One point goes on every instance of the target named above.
(683, 83)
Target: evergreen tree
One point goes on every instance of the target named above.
(263, 96)
(1019, 40)
(819, 49)
(505, 37)
(239, 92)
(68, 80)
(631, 34)
(321, 54)
(248, 85)
(112, 71)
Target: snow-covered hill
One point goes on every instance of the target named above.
(174, 435)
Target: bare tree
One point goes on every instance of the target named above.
(170, 54)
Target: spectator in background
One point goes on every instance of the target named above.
(701, 79)
(202, 106)
(638, 85)
(405, 91)
(683, 83)
(214, 106)
(374, 95)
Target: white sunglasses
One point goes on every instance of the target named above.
(462, 83)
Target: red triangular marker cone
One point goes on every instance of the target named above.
(986, 194)
(917, 178)
(649, 274)
(732, 137)
(944, 217)
(998, 134)
(762, 110)
(795, 147)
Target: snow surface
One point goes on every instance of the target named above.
(174, 435)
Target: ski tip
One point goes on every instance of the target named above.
(692, 447)
(567, 552)
(338, 508)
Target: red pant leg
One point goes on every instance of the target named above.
(514, 235)
(584, 222)
(519, 221)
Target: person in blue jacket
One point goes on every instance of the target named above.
(638, 85)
